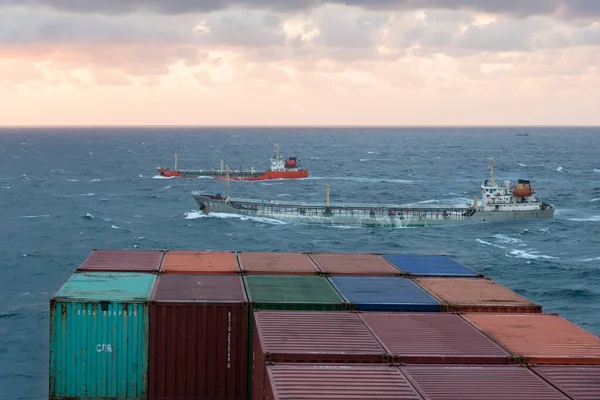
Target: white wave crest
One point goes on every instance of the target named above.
(507, 239)
(162, 177)
(521, 165)
(362, 179)
(561, 169)
(96, 180)
(533, 255)
(590, 259)
(35, 216)
(594, 200)
(597, 170)
(594, 218)
(489, 244)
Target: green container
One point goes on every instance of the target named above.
(292, 292)
(99, 336)
(288, 292)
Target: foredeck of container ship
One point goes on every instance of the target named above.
(274, 326)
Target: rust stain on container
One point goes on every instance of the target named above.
(477, 295)
(198, 338)
(433, 338)
(540, 339)
(122, 261)
(486, 382)
(349, 381)
(200, 262)
(320, 336)
(277, 263)
(577, 382)
(353, 264)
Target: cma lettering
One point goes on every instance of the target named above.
(103, 348)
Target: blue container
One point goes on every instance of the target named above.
(383, 293)
(430, 265)
(99, 336)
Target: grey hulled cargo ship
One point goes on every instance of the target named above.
(499, 203)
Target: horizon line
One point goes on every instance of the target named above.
(297, 126)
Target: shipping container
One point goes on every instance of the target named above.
(541, 338)
(200, 262)
(482, 382)
(292, 292)
(341, 381)
(379, 293)
(577, 382)
(277, 263)
(476, 295)
(99, 336)
(439, 338)
(430, 265)
(353, 264)
(122, 261)
(305, 336)
(198, 338)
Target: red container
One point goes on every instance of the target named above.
(277, 263)
(476, 295)
(198, 338)
(577, 382)
(122, 261)
(485, 382)
(541, 338)
(332, 381)
(200, 262)
(304, 336)
(438, 338)
(353, 264)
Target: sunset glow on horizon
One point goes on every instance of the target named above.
(318, 62)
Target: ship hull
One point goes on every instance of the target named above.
(404, 217)
(235, 176)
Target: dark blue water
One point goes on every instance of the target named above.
(66, 192)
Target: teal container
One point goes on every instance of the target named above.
(99, 336)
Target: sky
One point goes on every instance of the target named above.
(299, 62)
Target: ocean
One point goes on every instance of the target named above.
(66, 191)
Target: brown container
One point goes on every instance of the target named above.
(485, 382)
(347, 381)
(476, 295)
(199, 262)
(438, 338)
(198, 338)
(277, 263)
(309, 336)
(540, 339)
(353, 264)
(577, 382)
(122, 261)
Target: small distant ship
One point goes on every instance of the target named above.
(499, 203)
(280, 169)
(522, 134)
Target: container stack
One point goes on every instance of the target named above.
(140, 324)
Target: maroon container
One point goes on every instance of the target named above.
(489, 382)
(576, 381)
(438, 338)
(122, 261)
(334, 381)
(198, 338)
(305, 336)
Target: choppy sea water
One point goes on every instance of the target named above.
(64, 192)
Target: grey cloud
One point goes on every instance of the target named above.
(521, 8)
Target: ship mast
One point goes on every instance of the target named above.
(492, 181)
(228, 185)
(176, 162)
(327, 195)
(276, 151)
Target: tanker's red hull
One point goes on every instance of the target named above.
(236, 176)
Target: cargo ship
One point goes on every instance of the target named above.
(280, 169)
(499, 203)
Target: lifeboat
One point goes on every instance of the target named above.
(523, 189)
(291, 163)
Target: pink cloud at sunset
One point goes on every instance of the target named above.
(292, 62)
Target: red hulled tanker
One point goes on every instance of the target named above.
(280, 169)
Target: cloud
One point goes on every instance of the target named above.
(559, 8)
